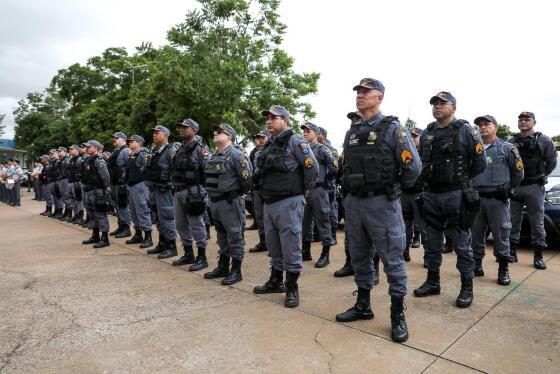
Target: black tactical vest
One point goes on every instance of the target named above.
(115, 172)
(91, 177)
(134, 169)
(153, 172)
(370, 164)
(276, 180)
(45, 174)
(532, 157)
(184, 172)
(54, 171)
(72, 169)
(444, 158)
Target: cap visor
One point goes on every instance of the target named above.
(434, 99)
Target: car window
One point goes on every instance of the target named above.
(556, 172)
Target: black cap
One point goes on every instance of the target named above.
(262, 133)
(370, 84)
(486, 117)
(227, 129)
(277, 110)
(311, 126)
(526, 114)
(189, 122)
(443, 96)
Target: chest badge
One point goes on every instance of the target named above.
(372, 137)
(489, 160)
(218, 167)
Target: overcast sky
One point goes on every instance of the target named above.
(496, 57)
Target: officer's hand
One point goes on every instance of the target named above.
(305, 193)
(108, 190)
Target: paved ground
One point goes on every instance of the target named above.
(64, 309)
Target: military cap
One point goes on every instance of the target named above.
(83, 145)
(276, 110)
(62, 149)
(74, 146)
(443, 96)
(322, 131)
(226, 128)
(138, 138)
(311, 126)
(119, 135)
(416, 131)
(526, 114)
(370, 84)
(94, 143)
(44, 157)
(54, 150)
(485, 117)
(189, 122)
(161, 128)
(262, 133)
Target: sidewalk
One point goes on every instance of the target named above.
(64, 309)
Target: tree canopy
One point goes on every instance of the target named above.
(223, 63)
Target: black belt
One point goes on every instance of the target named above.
(275, 199)
(491, 194)
(225, 196)
(159, 187)
(369, 193)
(442, 188)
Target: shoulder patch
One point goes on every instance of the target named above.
(304, 147)
(479, 148)
(401, 134)
(308, 162)
(406, 157)
(474, 134)
(519, 165)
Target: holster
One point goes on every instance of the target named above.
(195, 204)
(470, 206)
(56, 191)
(122, 196)
(100, 203)
(78, 192)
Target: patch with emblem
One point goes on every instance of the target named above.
(401, 135)
(489, 160)
(308, 162)
(516, 152)
(335, 163)
(245, 173)
(304, 147)
(218, 167)
(473, 134)
(372, 137)
(479, 148)
(519, 165)
(406, 157)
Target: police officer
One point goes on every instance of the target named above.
(379, 160)
(287, 171)
(317, 201)
(44, 185)
(452, 155)
(54, 175)
(138, 192)
(504, 173)
(409, 203)
(62, 184)
(228, 177)
(258, 206)
(97, 189)
(539, 158)
(81, 172)
(117, 164)
(157, 173)
(74, 186)
(190, 197)
(331, 186)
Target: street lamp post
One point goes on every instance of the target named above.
(134, 67)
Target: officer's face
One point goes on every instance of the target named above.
(91, 150)
(73, 152)
(416, 140)
(220, 137)
(261, 141)
(367, 99)
(187, 132)
(309, 135)
(442, 110)
(133, 145)
(275, 124)
(487, 129)
(159, 137)
(525, 123)
(321, 138)
(54, 155)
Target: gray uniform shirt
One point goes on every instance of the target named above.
(227, 171)
(505, 167)
(327, 161)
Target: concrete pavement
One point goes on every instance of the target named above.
(65, 309)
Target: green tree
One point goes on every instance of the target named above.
(410, 123)
(2, 127)
(556, 138)
(504, 132)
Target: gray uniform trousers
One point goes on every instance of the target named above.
(282, 230)
(229, 220)
(447, 206)
(98, 220)
(16, 192)
(89, 206)
(412, 216)
(47, 194)
(333, 212)
(494, 214)
(317, 211)
(189, 227)
(165, 213)
(375, 224)
(139, 207)
(77, 205)
(37, 189)
(63, 187)
(258, 208)
(58, 202)
(123, 214)
(533, 197)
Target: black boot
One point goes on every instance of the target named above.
(94, 239)
(159, 248)
(170, 249)
(478, 270)
(360, 310)
(234, 275)
(503, 272)
(57, 214)
(136, 239)
(347, 270)
(431, 286)
(324, 258)
(306, 251)
(200, 262)
(147, 243)
(261, 246)
(513, 251)
(47, 212)
(275, 283)
(406, 255)
(447, 247)
(465, 298)
(376, 268)
(104, 242)
(415, 240)
(63, 213)
(67, 216)
(207, 232)
(292, 293)
(117, 231)
(187, 258)
(78, 218)
(125, 232)
(333, 236)
(399, 330)
(221, 271)
(538, 261)
(86, 221)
